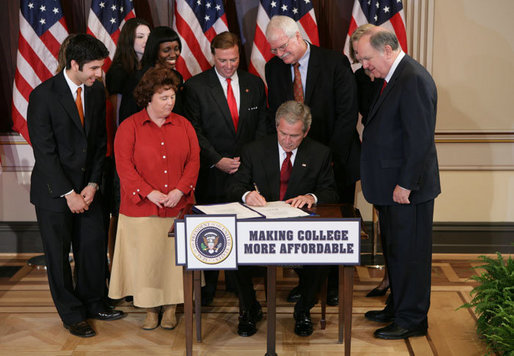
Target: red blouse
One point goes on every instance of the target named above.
(149, 157)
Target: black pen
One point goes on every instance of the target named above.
(256, 188)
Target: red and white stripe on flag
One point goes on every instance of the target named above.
(42, 30)
(300, 10)
(197, 22)
(385, 13)
(106, 18)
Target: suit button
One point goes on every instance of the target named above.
(83, 169)
(84, 150)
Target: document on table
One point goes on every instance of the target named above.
(240, 210)
(272, 210)
(278, 210)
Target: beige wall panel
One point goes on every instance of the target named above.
(467, 196)
(15, 201)
(473, 64)
(476, 197)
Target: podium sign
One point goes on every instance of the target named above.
(299, 241)
(223, 242)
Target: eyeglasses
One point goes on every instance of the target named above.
(280, 48)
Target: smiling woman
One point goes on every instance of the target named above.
(162, 48)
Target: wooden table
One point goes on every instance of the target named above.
(192, 279)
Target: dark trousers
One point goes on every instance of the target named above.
(312, 279)
(86, 233)
(408, 252)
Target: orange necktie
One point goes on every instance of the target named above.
(297, 84)
(78, 102)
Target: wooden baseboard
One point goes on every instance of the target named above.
(448, 237)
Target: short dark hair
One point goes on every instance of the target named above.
(155, 79)
(225, 40)
(157, 36)
(83, 49)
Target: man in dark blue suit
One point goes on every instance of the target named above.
(66, 121)
(292, 167)
(400, 176)
(227, 107)
(322, 79)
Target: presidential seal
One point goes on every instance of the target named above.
(211, 242)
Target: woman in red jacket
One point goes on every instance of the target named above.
(157, 159)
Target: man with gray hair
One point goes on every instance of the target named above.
(400, 176)
(285, 166)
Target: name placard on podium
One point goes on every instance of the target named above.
(223, 242)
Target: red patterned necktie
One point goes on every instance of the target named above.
(285, 174)
(297, 84)
(232, 105)
(383, 87)
(78, 102)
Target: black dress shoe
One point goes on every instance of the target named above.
(294, 295)
(108, 314)
(377, 292)
(247, 325)
(82, 329)
(303, 323)
(395, 332)
(381, 316)
(332, 298)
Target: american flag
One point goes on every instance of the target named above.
(300, 10)
(106, 18)
(197, 22)
(385, 13)
(42, 30)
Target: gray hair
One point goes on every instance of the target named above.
(380, 38)
(294, 111)
(284, 23)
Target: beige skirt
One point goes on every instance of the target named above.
(144, 263)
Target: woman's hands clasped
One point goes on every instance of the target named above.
(169, 200)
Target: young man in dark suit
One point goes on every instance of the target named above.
(66, 122)
(286, 166)
(400, 176)
(227, 108)
(323, 80)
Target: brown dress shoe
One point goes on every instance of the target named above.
(169, 320)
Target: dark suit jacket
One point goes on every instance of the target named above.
(312, 172)
(331, 93)
(205, 105)
(398, 140)
(68, 156)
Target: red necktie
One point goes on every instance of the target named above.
(78, 102)
(297, 84)
(285, 174)
(383, 87)
(232, 105)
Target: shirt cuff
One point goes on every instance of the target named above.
(314, 196)
(244, 196)
(71, 191)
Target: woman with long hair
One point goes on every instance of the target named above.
(162, 49)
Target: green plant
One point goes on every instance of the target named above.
(494, 304)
